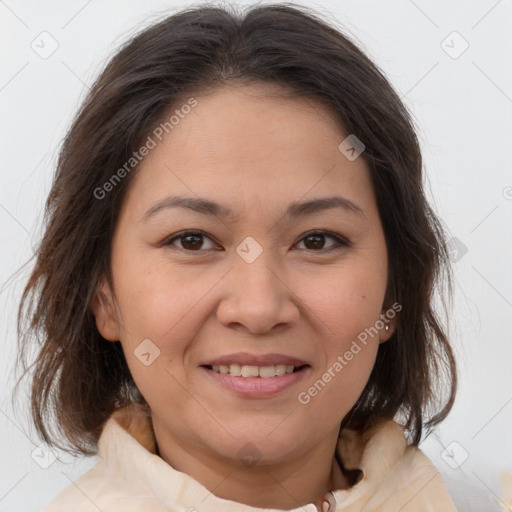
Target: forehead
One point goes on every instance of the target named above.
(242, 122)
(244, 146)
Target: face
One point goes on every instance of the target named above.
(282, 280)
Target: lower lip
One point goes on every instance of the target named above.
(257, 387)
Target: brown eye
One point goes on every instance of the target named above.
(316, 241)
(190, 241)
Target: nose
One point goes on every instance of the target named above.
(257, 298)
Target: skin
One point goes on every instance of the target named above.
(255, 152)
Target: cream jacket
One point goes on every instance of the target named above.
(130, 477)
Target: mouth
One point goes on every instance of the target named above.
(255, 382)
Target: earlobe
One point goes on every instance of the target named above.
(388, 328)
(388, 315)
(102, 307)
(387, 331)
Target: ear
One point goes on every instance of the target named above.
(384, 334)
(388, 318)
(103, 308)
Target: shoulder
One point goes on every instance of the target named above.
(117, 481)
(395, 475)
(98, 489)
(418, 484)
(80, 494)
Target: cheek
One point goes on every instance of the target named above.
(337, 388)
(349, 348)
(346, 306)
(157, 306)
(345, 301)
(352, 339)
(166, 305)
(158, 301)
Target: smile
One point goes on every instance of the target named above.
(249, 381)
(265, 372)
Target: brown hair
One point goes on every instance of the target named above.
(79, 378)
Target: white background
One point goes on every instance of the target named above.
(462, 108)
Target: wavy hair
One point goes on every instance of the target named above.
(77, 378)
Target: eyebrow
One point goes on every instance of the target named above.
(294, 210)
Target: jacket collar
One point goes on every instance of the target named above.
(128, 446)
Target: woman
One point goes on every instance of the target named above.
(236, 278)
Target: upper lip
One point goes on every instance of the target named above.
(246, 359)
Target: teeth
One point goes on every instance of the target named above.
(267, 371)
(235, 370)
(250, 371)
(264, 372)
